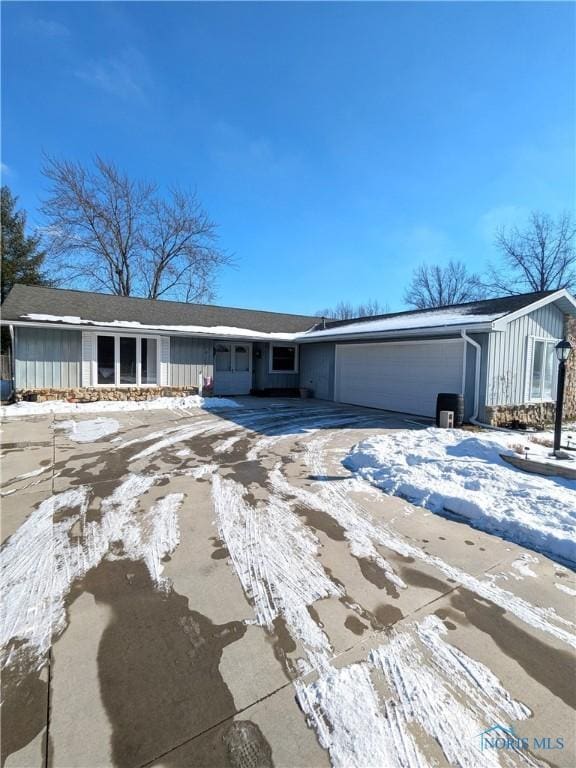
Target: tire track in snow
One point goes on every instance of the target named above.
(306, 426)
(167, 438)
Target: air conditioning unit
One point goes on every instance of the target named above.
(446, 420)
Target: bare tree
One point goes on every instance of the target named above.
(345, 310)
(540, 257)
(433, 285)
(121, 236)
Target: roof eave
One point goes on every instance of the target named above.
(444, 330)
(145, 331)
(565, 300)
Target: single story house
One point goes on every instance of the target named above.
(498, 353)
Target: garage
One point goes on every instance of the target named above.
(398, 376)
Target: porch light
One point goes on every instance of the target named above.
(563, 350)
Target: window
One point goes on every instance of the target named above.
(222, 357)
(126, 360)
(149, 360)
(282, 359)
(241, 358)
(543, 366)
(105, 365)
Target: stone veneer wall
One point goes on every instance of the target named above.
(538, 414)
(570, 391)
(91, 394)
(531, 414)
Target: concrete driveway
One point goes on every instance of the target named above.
(215, 589)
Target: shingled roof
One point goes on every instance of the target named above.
(480, 315)
(26, 300)
(500, 306)
(54, 306)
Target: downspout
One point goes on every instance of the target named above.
(474, 418)
(12, 361)
(478, 348)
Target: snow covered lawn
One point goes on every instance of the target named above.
(461, 472)
(115, 406)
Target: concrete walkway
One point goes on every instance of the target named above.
(302, 619)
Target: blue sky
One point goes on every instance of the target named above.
(337, 145)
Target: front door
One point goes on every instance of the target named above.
(232, 368)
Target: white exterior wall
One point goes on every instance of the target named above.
(507, 355)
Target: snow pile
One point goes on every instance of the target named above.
(115, 406)
(89, 431)
(459, 472)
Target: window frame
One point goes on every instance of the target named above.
(248, 346)
(116, 337)
(275, 345)
(547, 341)
(232, 350)
(139, 360)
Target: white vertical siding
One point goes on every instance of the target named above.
(509, 354)
(165, 361)
(88, 356)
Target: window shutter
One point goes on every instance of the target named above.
(88, 357)
(528, 375)
(165, 361)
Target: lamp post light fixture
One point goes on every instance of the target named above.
(563, 350)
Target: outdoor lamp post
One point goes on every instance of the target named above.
(563, 350)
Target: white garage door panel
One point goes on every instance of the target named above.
(398, 377)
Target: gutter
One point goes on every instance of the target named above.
(304, 337)
(439, 330)
(149, 331)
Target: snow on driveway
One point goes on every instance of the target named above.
(90, 430)
(415, 696)
(115, 406)
(461, 472)
(430, 684)
(57, 545)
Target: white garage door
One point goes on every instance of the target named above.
(398, 376)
